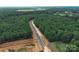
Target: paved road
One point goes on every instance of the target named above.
(39, 37)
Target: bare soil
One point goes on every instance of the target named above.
(25, 43)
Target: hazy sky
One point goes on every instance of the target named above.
(39, 3)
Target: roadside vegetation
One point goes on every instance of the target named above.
(22, 50)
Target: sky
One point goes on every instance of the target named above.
(10, 3)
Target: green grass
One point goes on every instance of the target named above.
(22, 50)
(60, 46)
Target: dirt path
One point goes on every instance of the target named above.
(41, 40)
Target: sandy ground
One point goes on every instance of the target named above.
(28, 43)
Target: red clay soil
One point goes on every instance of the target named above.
(16, 44)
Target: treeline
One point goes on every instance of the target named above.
(8, 11)
(74, 9)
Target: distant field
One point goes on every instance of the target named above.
(24, 10)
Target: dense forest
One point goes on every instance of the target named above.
(59, 28)
(13, 26)
(59, 24)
